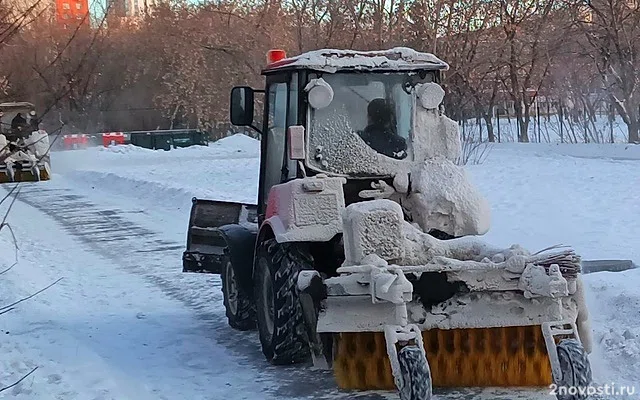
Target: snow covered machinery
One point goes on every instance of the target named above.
(362, 253)
(24, 147)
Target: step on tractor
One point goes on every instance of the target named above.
(24, 147)
(363, 252)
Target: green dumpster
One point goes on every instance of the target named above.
(168, 139)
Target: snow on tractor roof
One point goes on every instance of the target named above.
(332, 60)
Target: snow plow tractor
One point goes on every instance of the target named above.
(24, 147)
(363, 253)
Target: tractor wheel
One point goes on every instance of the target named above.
(416, 374)
(278, 308)
(240, 309)
(576, 371)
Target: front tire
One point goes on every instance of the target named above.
(239, 307)
(278, 309)
(415, 374)
(576, 370)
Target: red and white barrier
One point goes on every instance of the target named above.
(112, 138)
(75, 141)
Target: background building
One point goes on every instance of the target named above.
(138, 8)
(70, 13)
(130, 8)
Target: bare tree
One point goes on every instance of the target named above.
(15, 16)
(475, 56)
(611, 31)
(532, 31)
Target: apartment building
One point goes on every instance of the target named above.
(130, 8)
(71, 13)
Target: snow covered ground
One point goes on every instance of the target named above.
(126, 323)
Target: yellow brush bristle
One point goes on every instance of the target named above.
(483, 357)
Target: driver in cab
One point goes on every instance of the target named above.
(380, 133)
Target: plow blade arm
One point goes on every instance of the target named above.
(591, 266)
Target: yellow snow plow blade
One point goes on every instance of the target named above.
(24, 176)
(481, 357)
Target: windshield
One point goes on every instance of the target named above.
(370, 115)
(14, 119)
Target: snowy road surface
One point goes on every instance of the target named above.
(126, 323)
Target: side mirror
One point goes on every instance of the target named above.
(295, 139)
(242, 106)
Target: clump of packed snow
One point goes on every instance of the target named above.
(536, 282)
(373, 227)
(435, 135)
(296, 215)
(443, 198)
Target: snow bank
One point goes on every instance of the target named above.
(617, 151)
(237, 144)
(240, 142)
(108, 158)
(121, 149)
(225, 170)
(614, 302)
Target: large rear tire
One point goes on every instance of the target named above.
(278, 309)
(240, 309)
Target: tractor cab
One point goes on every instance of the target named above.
(17, 120)
(336, 112)
(24, 147)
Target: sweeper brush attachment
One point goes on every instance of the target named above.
(482, 357)
(8, 175)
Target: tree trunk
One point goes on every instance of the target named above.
(488, 121)
(523, 118)
(524, 131)
(634, 130)
(174, 115)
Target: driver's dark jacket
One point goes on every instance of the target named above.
(384, 141)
